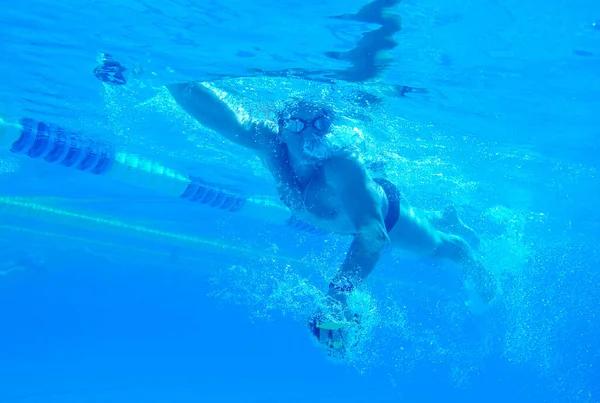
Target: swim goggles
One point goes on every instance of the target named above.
(297, 125)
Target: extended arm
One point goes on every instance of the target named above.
(204, 105)
(362, 203)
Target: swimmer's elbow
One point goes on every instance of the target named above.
(376, 235)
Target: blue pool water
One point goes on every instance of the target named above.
(111, 292)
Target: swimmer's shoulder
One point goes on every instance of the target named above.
(266, 127)
(264, 132)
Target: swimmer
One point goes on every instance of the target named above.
(329, 186)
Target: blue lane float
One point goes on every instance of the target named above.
(56, 145)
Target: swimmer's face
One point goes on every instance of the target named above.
(303, 129)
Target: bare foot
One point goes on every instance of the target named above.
(453, 224)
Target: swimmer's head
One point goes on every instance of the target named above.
(305, 128)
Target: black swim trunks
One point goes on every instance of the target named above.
(393, 195)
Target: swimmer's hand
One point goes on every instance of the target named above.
(328, 326)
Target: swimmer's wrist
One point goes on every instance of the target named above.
(341, 285)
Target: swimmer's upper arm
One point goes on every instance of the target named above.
(261, 136)
(203, 104)
(276, 159)
(362, 204)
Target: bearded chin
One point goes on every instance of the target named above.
(315, 147)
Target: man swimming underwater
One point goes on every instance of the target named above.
(330, 188)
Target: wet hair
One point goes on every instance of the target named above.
(292, 106)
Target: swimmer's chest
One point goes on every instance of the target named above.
(323, 205)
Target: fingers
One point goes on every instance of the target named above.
(337, 341)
